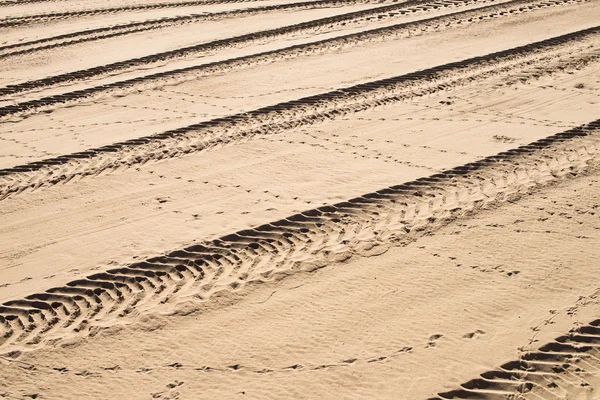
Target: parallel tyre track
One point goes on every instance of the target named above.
(302, 112)
(243, 40)
(554, 369)
(44, 18)
(379, 13)
(10, 3)
(385, 33)
(394, 215)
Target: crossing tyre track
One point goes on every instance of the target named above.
(532, 60)
(460, 18)
(378, 13)
(394, 215)
(555, 368)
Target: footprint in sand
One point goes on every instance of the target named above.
(474, 335)
(433, 339)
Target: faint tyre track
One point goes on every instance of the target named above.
(410, 6)
(207, 2)
(305, 241)
(43, 18)
(385, 33)
(554, 369)
(532, 60)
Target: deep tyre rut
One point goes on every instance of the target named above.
(305, 241)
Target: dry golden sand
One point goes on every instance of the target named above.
(275, 199)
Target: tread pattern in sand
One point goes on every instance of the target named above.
(554, 369)
(537, 59)
(8, 3)
(460, 18)
(45, 18)
(304, 241)
(170, 276)
(379, 13)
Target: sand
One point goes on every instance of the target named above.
(272, 199)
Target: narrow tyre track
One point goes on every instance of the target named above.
(393, 215)
(554, 369)
(304, 112)
(377, 13)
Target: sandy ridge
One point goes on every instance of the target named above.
(533, 60)
(309, 240)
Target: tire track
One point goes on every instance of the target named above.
(558, 367)
(385, 33)
(525, 62)
(205, 2)
(392, 216)
(410, 6)
(45, 18)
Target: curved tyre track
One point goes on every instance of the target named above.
(303, 112)
(303, 241)
(379, 13)
(385, 33)
(547, 373)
